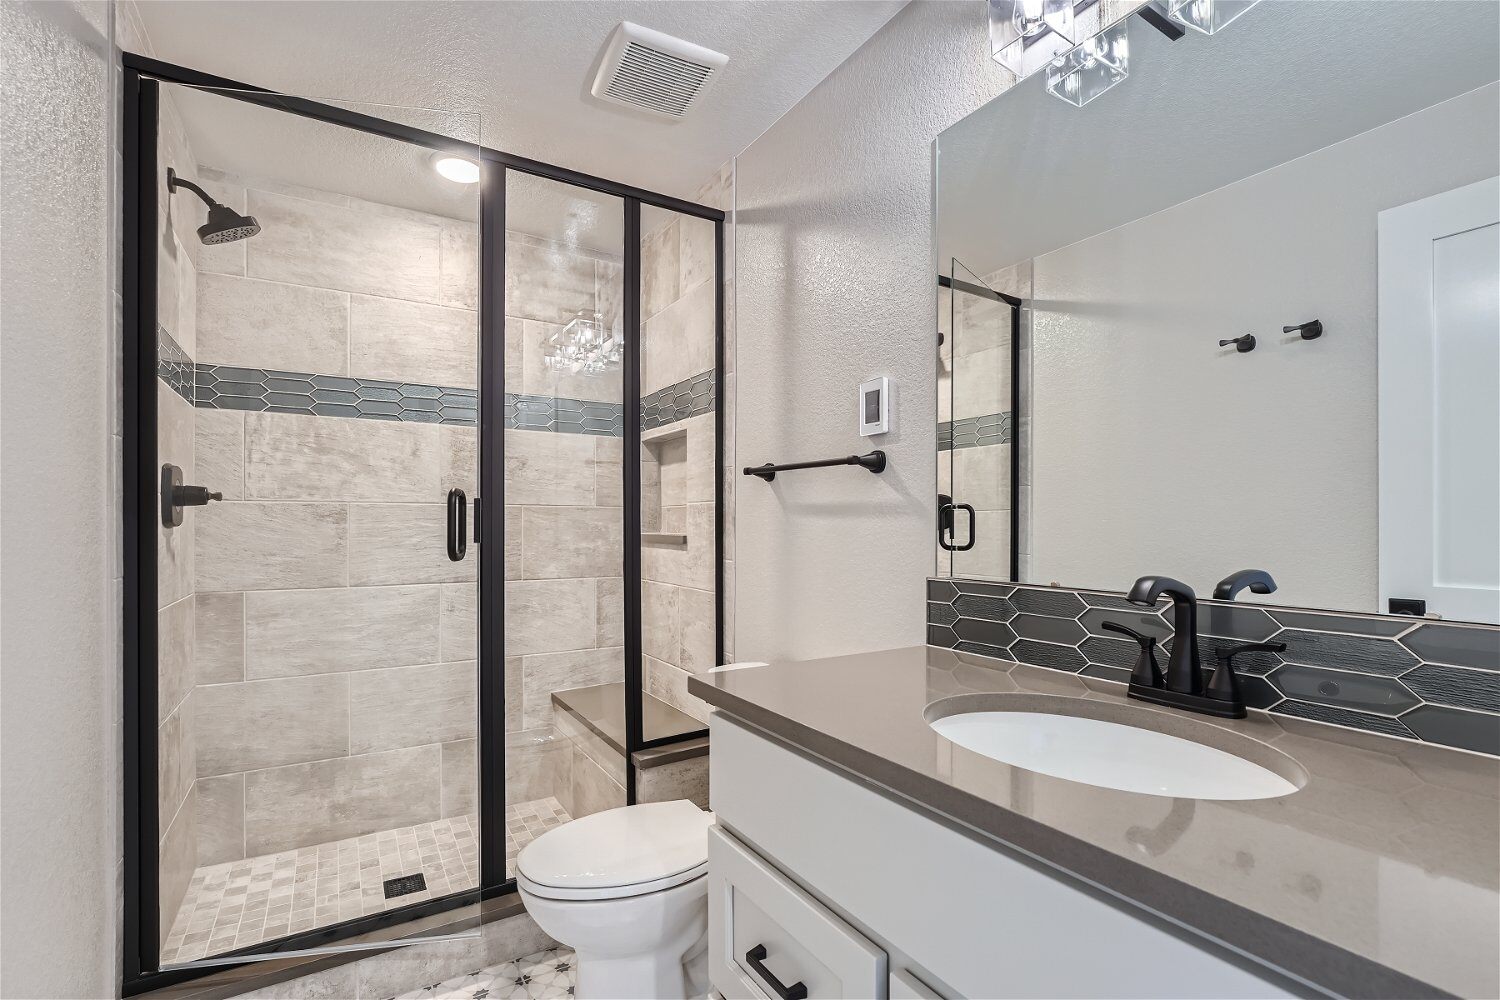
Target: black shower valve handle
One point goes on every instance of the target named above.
(194, 496)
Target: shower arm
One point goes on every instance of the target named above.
(174, 182)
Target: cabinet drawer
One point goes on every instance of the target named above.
(905, 986)
(768, 939)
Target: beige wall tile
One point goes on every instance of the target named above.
(304, 457)
(268, 723)
(570, 542)
(175, 551)
(532, 763)
(609, 603)
(668, 683)
(981, 384)
(701, 446)
(347, 248)
(593, 789)
(661, 628)
(179, 856)
(412, 706)
(546, 283)
(219, 451)
(460, 778)
(609, 283)
(545, 673)
(272, 324)
(219, 637)
(176, 766)
(329, 630)
(696, 257)
(608, 476)
(271, 546)
(413, 342)
(698, 569)
(458, 623)
(660, 278)
(697, 612)
(459, 455)
(562, 778)
(981, 476)
(402, 543)
(221, 819)
(679, 340)
(671, 456)
(546, 468)
(683, 779)
(298, 805)
(514, 693)
(175, 668)
(515, 354)
(459, 248)
(545, 616)
(513, 540)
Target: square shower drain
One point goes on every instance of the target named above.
(405, 885)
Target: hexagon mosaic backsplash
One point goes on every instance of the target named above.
(227, 387)
(1418, 679)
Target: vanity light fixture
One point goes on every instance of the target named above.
(1207, 16)
(459, 169)
(1082, 74)
(583, 347)
(1026, 35)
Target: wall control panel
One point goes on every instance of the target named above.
(875, 406)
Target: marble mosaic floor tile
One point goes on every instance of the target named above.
(239, 904)
(547, 975)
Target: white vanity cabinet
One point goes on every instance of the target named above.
(821, 886)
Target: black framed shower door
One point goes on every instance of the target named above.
(142, 80)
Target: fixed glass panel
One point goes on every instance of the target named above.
(678, 496)
(317, 341)
(564, 515)
(976, 439)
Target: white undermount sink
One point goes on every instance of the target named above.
(1111, 755)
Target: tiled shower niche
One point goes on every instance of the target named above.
(1417, 679)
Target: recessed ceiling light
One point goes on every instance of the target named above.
(456, 168)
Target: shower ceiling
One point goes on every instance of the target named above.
(525, 67)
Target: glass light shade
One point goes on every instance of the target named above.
(1026, 34)
(583, 347)
(1100, 62)
(1207, 16)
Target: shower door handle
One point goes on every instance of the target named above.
(458, 524)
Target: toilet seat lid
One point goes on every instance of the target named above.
(631, 846)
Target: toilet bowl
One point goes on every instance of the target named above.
(627, 890)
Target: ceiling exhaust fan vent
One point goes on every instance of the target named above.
(654, 72)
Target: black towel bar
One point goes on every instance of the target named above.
(874, 461)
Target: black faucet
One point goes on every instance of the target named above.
(1183, 686)
(1258, 580)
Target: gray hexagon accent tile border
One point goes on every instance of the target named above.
(1418, 679)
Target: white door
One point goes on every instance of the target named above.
(1439, 363)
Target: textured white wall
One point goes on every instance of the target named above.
(59, 538)
(1159, 452)
(837, 284)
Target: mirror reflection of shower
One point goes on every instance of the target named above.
(224, 224)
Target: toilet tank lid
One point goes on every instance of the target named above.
(630, 845)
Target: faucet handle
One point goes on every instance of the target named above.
(1225, 685)
(1146, 672)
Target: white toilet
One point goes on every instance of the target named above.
(627, 890)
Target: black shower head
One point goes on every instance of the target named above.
(224, 224)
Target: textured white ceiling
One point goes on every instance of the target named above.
(524, 67)
(1027, 173)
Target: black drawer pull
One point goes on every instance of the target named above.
(757, 958)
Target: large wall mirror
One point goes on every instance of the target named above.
(1240, 310)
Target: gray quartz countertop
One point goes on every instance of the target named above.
(1379, 877)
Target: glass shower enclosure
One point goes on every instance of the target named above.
(422, 529)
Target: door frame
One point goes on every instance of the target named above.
(1404, 290)
(142, 77)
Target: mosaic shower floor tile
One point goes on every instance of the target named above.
(243, 903)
